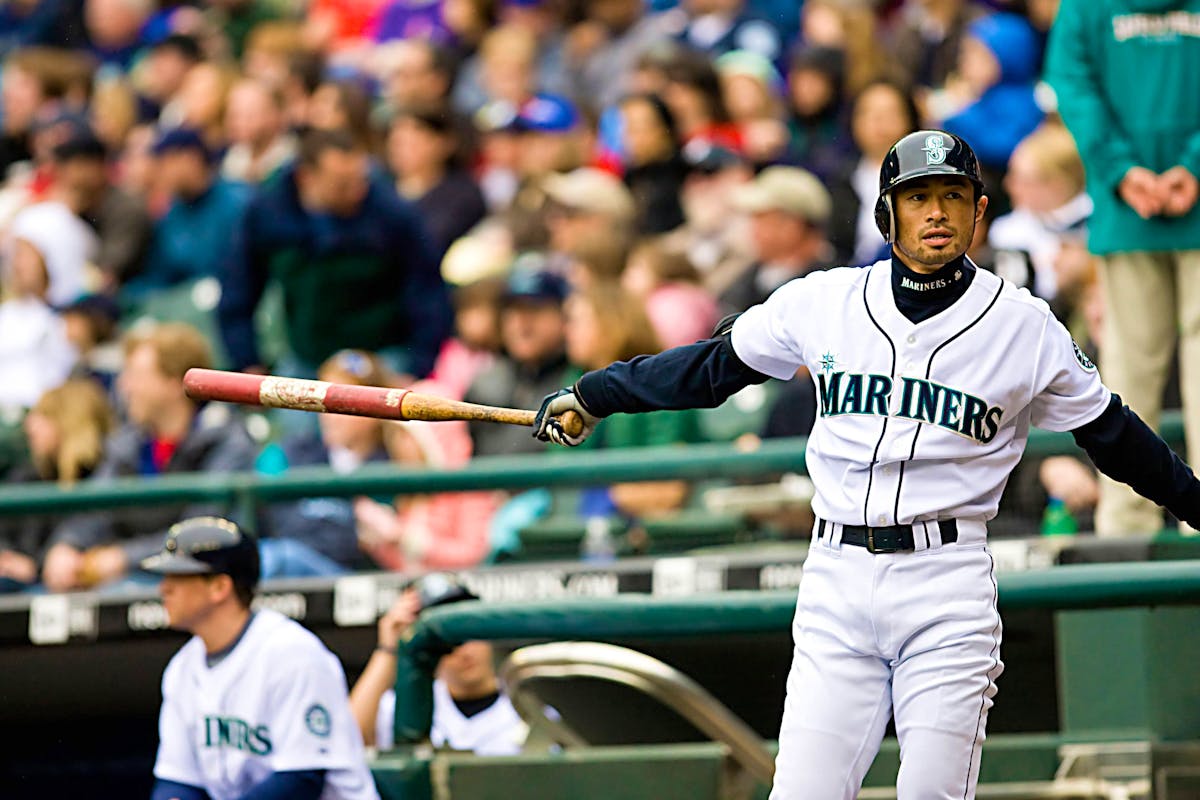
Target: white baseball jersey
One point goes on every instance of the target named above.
(919, 421)
(276, 703)
(496, 731)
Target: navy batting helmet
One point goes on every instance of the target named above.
(207, 546)
(919, 155)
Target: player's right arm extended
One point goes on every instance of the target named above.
(700, 375)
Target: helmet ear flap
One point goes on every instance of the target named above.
(883, 216)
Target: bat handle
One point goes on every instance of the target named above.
(571, 422)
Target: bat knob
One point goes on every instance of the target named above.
(572, 423)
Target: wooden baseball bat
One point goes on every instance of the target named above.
(323, 397)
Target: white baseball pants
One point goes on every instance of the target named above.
(912, 634)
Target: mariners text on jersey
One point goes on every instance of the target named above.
(232, 732)
(920, 400)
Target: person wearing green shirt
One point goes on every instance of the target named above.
(1124, 72)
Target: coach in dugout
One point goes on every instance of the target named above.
(354, 262)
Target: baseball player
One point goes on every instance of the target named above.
(929, 373)
(471, 712)
(254, 706)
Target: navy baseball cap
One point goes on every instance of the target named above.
(530, 284)
(207, 546)
(174, 139)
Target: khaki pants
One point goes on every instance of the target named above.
(1151, 299)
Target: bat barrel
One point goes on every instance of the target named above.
(338, 398)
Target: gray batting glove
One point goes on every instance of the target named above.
(548, 428)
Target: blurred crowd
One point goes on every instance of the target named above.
(482, 199)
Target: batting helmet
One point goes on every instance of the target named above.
(207, 546)
(919, 155)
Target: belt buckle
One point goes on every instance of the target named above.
(871, 548)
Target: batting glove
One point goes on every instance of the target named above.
(547, 427)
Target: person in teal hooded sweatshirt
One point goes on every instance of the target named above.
(1125, 73)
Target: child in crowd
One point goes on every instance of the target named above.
(474, 348)
(1047, 228)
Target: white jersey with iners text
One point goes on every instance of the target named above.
(919, 421)
(276, 703)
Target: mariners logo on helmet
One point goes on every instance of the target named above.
(935, 149)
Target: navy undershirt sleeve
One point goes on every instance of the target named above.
(170, 790)
(1124, 448)
(305, 784)
(700, 375)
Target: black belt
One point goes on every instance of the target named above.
(892, 539)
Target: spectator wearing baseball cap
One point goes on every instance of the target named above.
(533, 360)
(550, 136)
(789, 210)
(584, 204)
(191, 238)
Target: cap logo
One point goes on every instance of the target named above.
(935, 149)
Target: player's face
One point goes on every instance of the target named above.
(468, 667)
(187, 599)
(935, 220)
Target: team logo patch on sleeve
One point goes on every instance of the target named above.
(316, 719)
(1082, 358)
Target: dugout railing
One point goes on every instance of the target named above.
(246, 490)
(1129, 630)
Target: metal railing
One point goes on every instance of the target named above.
(246, 489)
(638, 616)
(648, 675)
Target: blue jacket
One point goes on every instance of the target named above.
(1007, 112)
(369, 281)
(190, 240)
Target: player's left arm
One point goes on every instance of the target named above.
(311, 726)
(1125, 449)
(1069, 396)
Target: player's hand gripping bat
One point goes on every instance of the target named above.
(339, 398)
